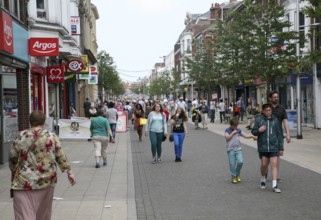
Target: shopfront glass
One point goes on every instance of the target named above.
(9, 104)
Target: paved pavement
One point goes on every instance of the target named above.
(104, 193)
(197, 188)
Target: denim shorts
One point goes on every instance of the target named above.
(268, 154)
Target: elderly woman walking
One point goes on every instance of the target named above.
(33, 160)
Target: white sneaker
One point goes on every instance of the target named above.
(159, 159)
(262, 185)
(276, 189)
(154, 160)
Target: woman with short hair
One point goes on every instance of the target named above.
(33, 160)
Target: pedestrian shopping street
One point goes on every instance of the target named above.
(199, 187)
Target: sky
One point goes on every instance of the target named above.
(138, 33)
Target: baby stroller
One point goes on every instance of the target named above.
(196, 118)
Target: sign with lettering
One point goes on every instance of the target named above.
(55, 74)
(75, 25)
(6, 31)
(44, 46)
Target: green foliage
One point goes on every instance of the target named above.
(161, 85)
(108, 77)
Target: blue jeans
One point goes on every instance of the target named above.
(156, 143)
(213, 115)
(235, 159)
(113, 130)
(178, 143)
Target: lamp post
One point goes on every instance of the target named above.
(298, 79)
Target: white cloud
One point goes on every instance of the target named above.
(155, 6)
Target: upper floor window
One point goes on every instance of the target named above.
(12, 6)
(41, 9)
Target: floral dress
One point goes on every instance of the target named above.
(35, 167)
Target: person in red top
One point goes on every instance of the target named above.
(165, 110)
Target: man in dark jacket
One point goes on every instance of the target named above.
(87, 107)
(270, 144)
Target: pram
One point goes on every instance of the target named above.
(196, 118)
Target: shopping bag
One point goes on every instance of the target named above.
(142, 121)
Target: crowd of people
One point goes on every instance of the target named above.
(36, 152)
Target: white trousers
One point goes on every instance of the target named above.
(100, 146)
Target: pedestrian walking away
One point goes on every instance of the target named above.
(179, 130)
(86, 106)
(156, 128)
(234, 149)
(33, 160)
(280, 112)
(270, 144)
(212, 110)
(222, 108)
(112, 118)
(100, 129)
(138, 114)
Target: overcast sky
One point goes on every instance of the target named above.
(136, 33)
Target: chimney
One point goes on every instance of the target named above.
(214, 12)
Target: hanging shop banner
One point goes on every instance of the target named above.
(75, 25)
(6, 32)
(70, 77)
(43, 46)
(93, 79)
(122, 121)
(55, 74)
(84, 59)
(75, 65)
(75, 128)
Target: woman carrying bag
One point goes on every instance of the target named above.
(157, 128)
(179, 130)
(139, 114)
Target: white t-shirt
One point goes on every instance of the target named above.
(222, 106)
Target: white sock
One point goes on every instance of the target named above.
(274, 183)
(263, 179)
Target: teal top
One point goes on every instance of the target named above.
(157, 123)
(99, 126)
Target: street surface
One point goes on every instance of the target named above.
(200, 187)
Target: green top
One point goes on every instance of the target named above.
(99, 126)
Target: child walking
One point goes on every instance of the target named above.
(234, 148)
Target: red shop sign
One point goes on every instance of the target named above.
(6, 30)
(75, 65)
(44, 46)
(55, 74)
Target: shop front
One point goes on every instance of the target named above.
(14, 84)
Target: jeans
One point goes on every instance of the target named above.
(178, 143)
(222, 116)
(235, 159)
(212, 115)
(156, 143)
(113, 130)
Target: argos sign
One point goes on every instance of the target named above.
(44, 46)
(6, 30)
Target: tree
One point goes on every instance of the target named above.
(108, 78)
(253, 44)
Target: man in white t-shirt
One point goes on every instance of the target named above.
(222, 108)
(181, 103)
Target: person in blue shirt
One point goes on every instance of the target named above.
(100, 129)
(234, 149)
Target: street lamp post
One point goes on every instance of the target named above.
(298, 78)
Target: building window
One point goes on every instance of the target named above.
(41, 9)
(188, 45)
(302, 29)
(15, 8)
(6, 4)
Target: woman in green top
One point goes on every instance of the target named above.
(100, 128)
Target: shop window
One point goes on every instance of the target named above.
(41, 9)
(9, 103)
